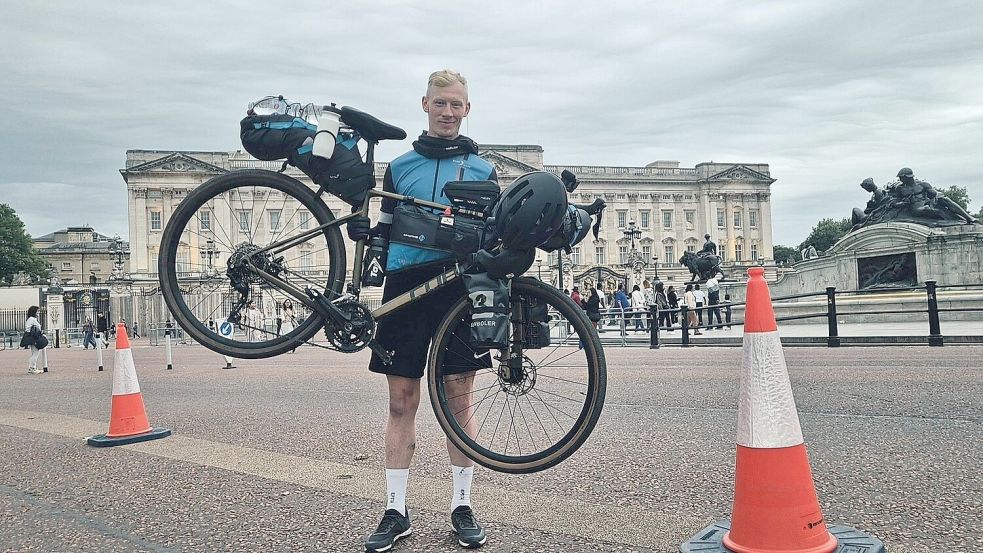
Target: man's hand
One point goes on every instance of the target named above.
(359, 228)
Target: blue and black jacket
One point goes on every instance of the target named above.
(422, 173)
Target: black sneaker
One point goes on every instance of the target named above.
(469, 532)
(394, 526)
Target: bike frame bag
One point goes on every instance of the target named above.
(422, 228)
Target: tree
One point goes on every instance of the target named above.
(787, 254)
(958, 194)
(826, 233)
(17, 254)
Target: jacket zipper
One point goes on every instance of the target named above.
(436, 173)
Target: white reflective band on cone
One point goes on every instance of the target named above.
(124, 374)
(766, 415)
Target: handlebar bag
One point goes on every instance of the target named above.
(477, 196)
(422, 228)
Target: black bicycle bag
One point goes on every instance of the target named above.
(489, 309)
(479, 196)
(420, 227)
(537, 326)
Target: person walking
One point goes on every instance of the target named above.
(88, 334)
(662, 302)
(689, 299)
(593, 306)
(649, 293)
(440, 155)
(102, 327)
(136, 329)
(638, 307)
(727, 310)
(34, 339)
(575, 296)
(622, 305)
(288, 320)
(713, 299)
(701, 300)
(673, 300)
(254, 322)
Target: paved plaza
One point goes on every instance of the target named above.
(287, 454)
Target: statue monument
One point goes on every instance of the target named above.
(908, 200)
(704, 264)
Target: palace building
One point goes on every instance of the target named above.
(666, 207)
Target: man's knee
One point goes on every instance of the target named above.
(404, 396)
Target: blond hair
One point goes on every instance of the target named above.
(445, 77)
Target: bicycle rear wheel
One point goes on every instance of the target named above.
(227, 219)
(532, 419)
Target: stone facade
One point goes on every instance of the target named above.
(672, 206)
(79, 254)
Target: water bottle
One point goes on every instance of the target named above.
(374, 266)
(328, 124)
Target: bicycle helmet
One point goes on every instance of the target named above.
(531, 210)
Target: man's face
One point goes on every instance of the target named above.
(446, 108)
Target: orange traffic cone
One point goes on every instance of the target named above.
(128, 420)
(775, 504)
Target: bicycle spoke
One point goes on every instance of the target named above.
(538, 374)
(543, 426)
(518, 405)
(552, 409)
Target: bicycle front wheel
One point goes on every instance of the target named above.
(520, 416)
(215, 297)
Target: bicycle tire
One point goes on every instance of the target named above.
(188, 208)
(588, 417)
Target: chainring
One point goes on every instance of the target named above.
(355, 334)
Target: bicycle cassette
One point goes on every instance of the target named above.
(355, 334)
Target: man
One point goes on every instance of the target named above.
(102, 327)
(713, 299)
(440, 155)
(701, 300)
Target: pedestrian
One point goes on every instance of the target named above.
(593, 306)
(122, 321)
(727, 310)
(575, 296)
(34, 339)
(713, 299)
(102, 327)
(88, 334)
(638, 307)
(673, 300)
(288, 321)
(662, 302)
(136, 329)
(689, 299)
(622, 305)
(701, 300)
(439, 156)
(649, 293)
(254, 322)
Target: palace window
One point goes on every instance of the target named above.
(274, 215)
(205, 219)
(245, 220)
(670, 253)
(738, 252)
(181, 265)
(153, 261)
(643, 218)
(575, 255)
(752, 218)
(754, 251)
(155, 220)
(721, 218)
(622, 254)
(647, 253)
(66, 266)
(307, 261)
(737, 219)
(691, 248)
(305, 220)
(622, 218)
(690, 216)
(667, 218)
(599, 255)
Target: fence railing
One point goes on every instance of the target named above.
(831, 314)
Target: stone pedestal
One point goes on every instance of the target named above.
(56, 311)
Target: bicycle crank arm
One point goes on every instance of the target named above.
(385, 355)
(332, 315)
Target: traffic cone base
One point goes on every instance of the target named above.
(711, 540)
(128, 416)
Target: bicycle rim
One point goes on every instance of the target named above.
(229, 217)
(528, 424)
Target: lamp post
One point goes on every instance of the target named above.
(208, 255)
(635, 261)
(118, 278)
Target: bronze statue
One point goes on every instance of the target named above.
(909, 200)
(702, 266)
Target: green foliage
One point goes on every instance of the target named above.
(826, 233)
(787, 254)
(958, 194)
(17, 254)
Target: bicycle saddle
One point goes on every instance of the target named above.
(369, 127)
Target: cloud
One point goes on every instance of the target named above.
(826, 93)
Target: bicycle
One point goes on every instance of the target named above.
(304, 259)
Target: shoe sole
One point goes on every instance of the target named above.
(390, 546)
(468, 545)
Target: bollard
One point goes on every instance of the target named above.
(684, 323)
(228, 363)
(934, 329)
(44, 360)
(833, 341)
(99, 349)
(167, 343)
(654, 328)
(57, 338)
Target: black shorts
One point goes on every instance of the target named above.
(409, 330)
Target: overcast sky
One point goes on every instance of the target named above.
(827, 93)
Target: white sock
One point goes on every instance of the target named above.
(396, 489)
(462, 486)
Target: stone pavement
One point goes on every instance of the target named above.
(286, 454)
